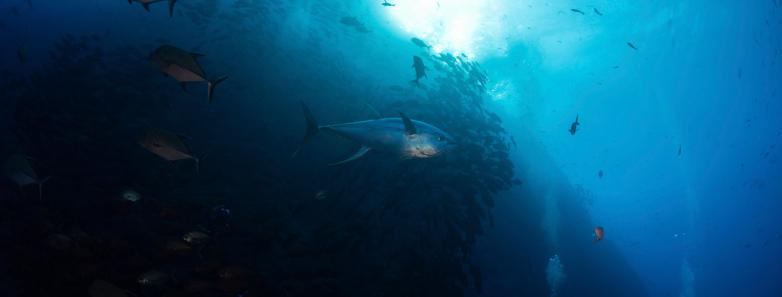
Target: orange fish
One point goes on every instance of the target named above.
(599, 233)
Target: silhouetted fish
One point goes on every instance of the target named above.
(387, 4)
(400, 136)
(146, 4)
(353, 22)
(183, 66)
(577, 11)
(420, 43)
(600, 174)
(166, 145)
(420, 69)
(631, 45)
(574, 126)
(19, 169)
(597, 12)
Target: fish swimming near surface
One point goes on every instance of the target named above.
(420, 43)
(577, 11)
(183, 66)
(387, 4)
(600, 174)
(574, 126)
(167, 145)
(19, 169)
(680, 151)
(146, 4)
(597, 12)
(599, 233)
(420, 69)
(399, 136)
(631, 45)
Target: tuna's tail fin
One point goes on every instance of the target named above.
(213, 84)
(312, 129)
(171, 7)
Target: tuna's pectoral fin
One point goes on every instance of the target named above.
(360, 153)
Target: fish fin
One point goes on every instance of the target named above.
(409, 126)
(196, 55)
(146, 6)
(360, 153)
(184, 86)
(312, 129)
(171, 7)
(212, 85)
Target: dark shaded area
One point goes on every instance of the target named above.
(384, 227)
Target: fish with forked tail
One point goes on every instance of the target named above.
(400, 136)
(183, 66)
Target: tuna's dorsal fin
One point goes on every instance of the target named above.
(196, 55)
(360, 153)
(409, 126)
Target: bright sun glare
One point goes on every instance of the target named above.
(457, 26)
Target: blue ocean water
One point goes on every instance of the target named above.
(675, 154)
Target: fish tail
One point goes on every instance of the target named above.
(212, 85)
(312, 128)
(171, 7)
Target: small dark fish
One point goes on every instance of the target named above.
(631, 45)
(740, 73)
(355, 23)
(597, 12)
(420, 43)
(577, 11)
(420, 69)
(600, 174)
(387, 4)
(574, 126)
(680, 151)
